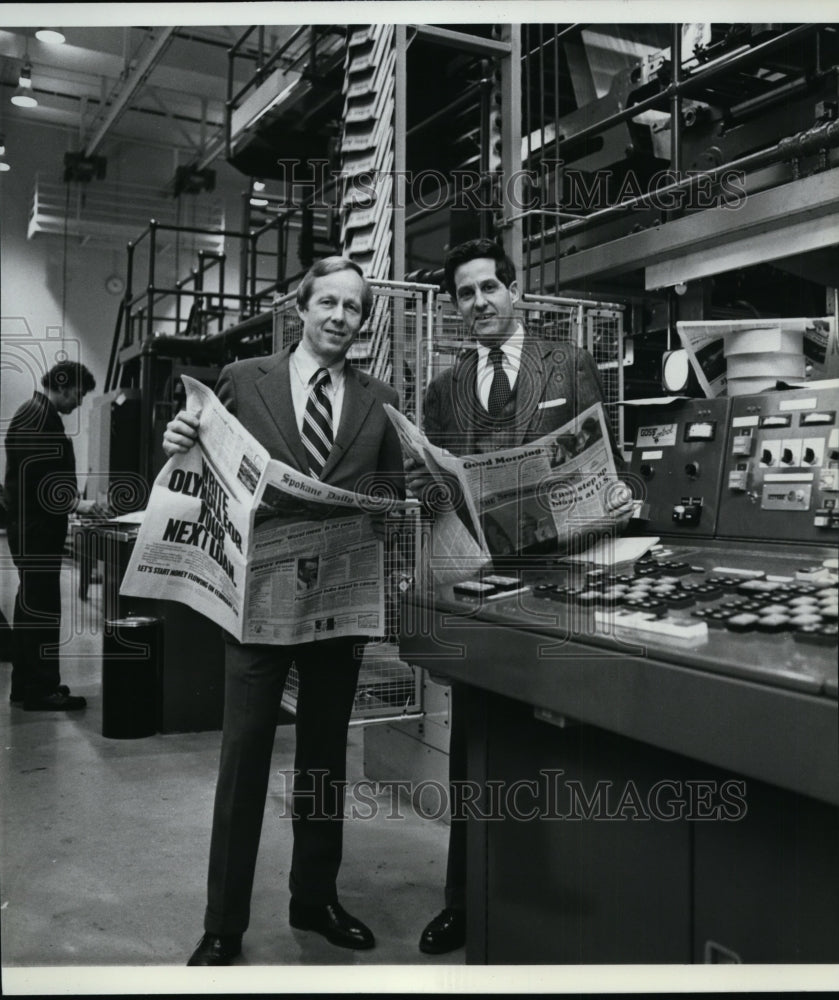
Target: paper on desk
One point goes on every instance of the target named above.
(611, 551)
(653, 401)
(134, 517)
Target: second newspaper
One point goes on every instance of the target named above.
(537, 497)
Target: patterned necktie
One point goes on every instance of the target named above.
(317, 423)
(499, 390)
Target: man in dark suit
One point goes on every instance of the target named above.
(509, 391)
(318, 414)
(41, 491)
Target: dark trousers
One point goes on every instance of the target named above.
(254, 681)
(456, 864)
(36, 627)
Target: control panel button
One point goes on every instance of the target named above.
(742, 444)
(741, 623)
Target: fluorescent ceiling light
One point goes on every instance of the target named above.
(52, 36)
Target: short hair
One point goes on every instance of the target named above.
(69, 375)
(330, 265)
(505, 270)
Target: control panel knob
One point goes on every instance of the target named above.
(766, 457)
(786, 457)
(809, 456)
(692, 469)
(647, 470)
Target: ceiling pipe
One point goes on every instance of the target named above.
(127, 89)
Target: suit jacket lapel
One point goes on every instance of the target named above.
(468, 415)
(275, 389)
(356, 406)
(530, 386)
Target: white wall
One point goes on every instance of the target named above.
(32, 272)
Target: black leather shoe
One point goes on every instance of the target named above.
(446, 932)
(16, 697)
(333, 921)
(58, 701)
(216, 949)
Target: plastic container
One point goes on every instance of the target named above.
(762, 365)
(772, 341)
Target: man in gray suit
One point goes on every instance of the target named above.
(508, 391)
(315, 412)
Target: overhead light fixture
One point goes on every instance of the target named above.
(52, 36)
(23, 96)
(259, 185)
(259, 202)
(192, 180)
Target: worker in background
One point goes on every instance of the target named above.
(508, 391)
(315, 412)
(41, 491)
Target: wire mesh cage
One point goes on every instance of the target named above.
(604, 341)
(394, 347)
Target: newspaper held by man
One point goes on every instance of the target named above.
(535, 498)
(272, 555)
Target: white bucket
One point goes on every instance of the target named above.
(781, 365)
(767, 341)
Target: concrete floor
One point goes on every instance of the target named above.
(105, 842)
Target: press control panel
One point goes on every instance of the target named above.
(677, 463)
(764, 466)
(781, 467)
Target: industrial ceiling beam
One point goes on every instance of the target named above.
(460, 40)
(155, 96)
(125, 90)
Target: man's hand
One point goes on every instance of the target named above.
(620, 505)
(181, 432)
(417, 477)
(92, 508)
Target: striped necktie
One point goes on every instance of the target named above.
(317, 423)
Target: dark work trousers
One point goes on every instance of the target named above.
(254, 679)
(456, 865)
(36, 627)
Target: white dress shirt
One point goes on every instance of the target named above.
(302, 366)
(511, 349)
